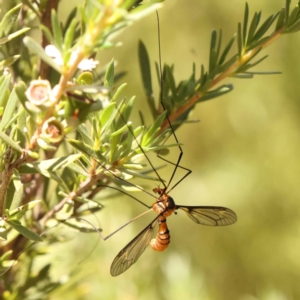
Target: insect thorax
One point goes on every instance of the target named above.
(164, 203)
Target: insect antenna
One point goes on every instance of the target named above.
(177, 164)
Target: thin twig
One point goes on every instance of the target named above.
(227, 73)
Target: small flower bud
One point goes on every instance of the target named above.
(53, 130)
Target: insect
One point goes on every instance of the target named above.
(165, 206)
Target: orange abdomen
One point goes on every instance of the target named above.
(162, 240)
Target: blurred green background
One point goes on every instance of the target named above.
(244, 154)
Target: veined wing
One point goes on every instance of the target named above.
(132, 251)
(210, 215)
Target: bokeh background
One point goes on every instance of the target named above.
(244, 154)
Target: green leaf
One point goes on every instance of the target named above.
(258, 43)
(129, 141)
(69, 36)
(28, 206)
(125, 111)
(120, 130)
(57, 32)
(58, 163)
(151, 132)
(239, 39)
(264, 27)
(294, 28)
(94, 88)
(6, 255)
(107, 115)
(21, 88)
(161, 147)
(107, 119)
(28, 169)
(85, 135)
(226, 50)
(14, 127)
(5, 82)
(43, 275)
(63, 162)
(70, 18)
(9, 61)
(280, 20)
(145, 69)
(118, 91)
(33, 168)
(245, 25)
(29, 234)
(293, 16)
(138, 174)
(9, 111)
(47, 33)
(45, 145)
(36, 48)
(250, 74)
(10, 142)
(34, 7)
(212, 55)
(170, 80)
(3, 236)
(79, 169)
(9, 20)
(259, 61)
(109, 76)
(206, 85)
(118, 145)
(80, 227)
(21, 124)
(287, 11)
(9, 195)
(13, 35)
(218, 48)
(86, 149)
(222, 90)
(17, 189)
(66, 211)
(253, 27)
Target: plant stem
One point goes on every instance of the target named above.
(227, 73)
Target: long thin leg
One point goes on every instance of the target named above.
(127, 182)
(104, 238)
(134, 198)
(111, 234)
(188, 171)
(146, 156)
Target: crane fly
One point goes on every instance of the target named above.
(165, 206)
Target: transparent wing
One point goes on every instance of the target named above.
(132, 251)
(210, 215)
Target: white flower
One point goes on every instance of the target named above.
(84, 65)
(38, 93)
